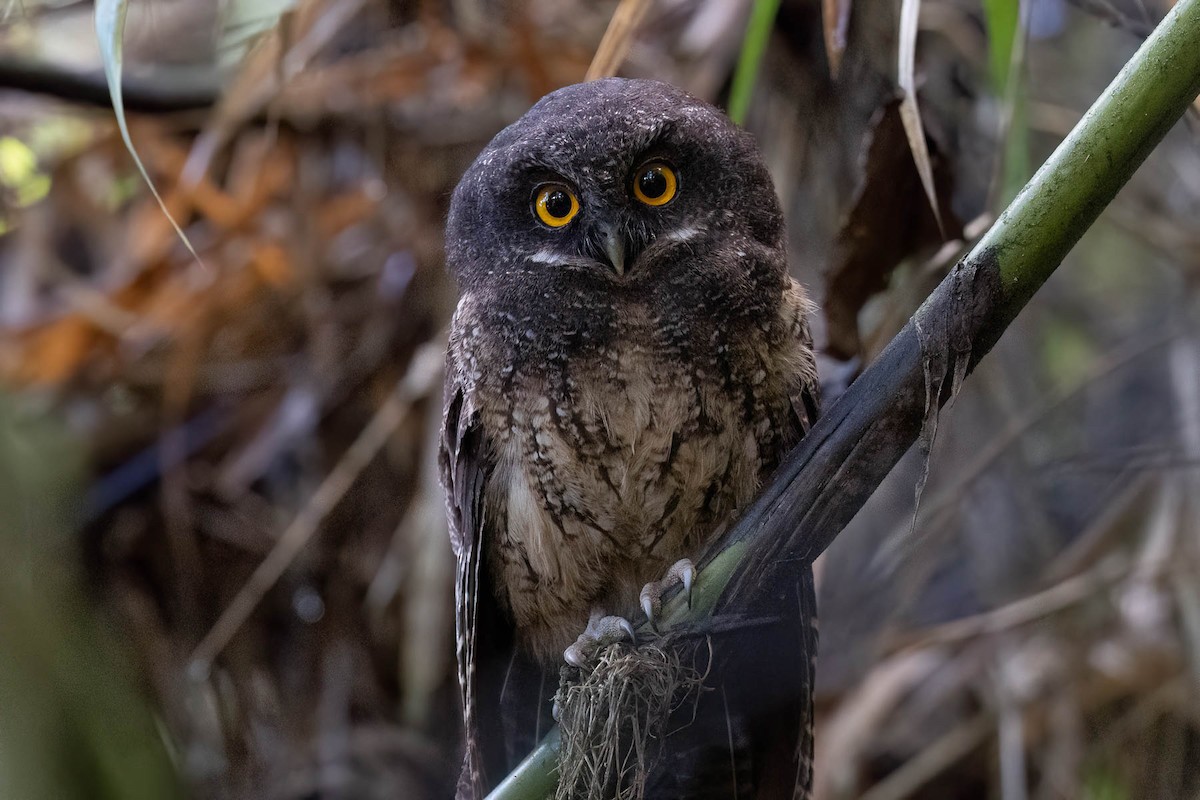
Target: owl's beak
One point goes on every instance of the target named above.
(614, 248)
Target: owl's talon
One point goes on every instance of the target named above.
(648, 607)
(600, 632)
(682, 571)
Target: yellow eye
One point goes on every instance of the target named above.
(556, 205)
(655, 184)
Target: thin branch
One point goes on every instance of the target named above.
(424, 375)
(618, 38)
(953, 746)
(1107, 12)
(142, 94)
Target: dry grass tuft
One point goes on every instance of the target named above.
(613, 715)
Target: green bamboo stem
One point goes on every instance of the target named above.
(858, 440)
(1067, 194)
(537, 775)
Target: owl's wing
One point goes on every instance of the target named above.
(465, 466)
(783, 740)
(504, 693)
(806, 406)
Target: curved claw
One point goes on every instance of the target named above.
(600, 631)
(625, 626)
(682, 571)
(687, 574)
(573, 655)
(651, 605)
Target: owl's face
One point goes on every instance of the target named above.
(601, 182)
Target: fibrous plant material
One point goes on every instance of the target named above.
(948, 328)
(614, 715)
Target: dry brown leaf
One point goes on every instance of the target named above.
(885, 224)
(272, 264)
(343, 210)
(219, 207)
(52, 354)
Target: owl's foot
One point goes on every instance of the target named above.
(601, 631)
(682, 571)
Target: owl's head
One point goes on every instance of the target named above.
(604, 179)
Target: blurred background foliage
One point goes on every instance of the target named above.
(223, 564)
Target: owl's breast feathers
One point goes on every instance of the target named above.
(621, 439)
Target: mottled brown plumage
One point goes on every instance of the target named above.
(608, 411)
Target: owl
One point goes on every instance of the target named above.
(628, 361)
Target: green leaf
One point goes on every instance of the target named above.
(1001, 17)
(75, 724)
(19, 171)
(244, 22)
(910, 114)
(758, 32)
(1103, 783)
(1005, 54)
(110, 31)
